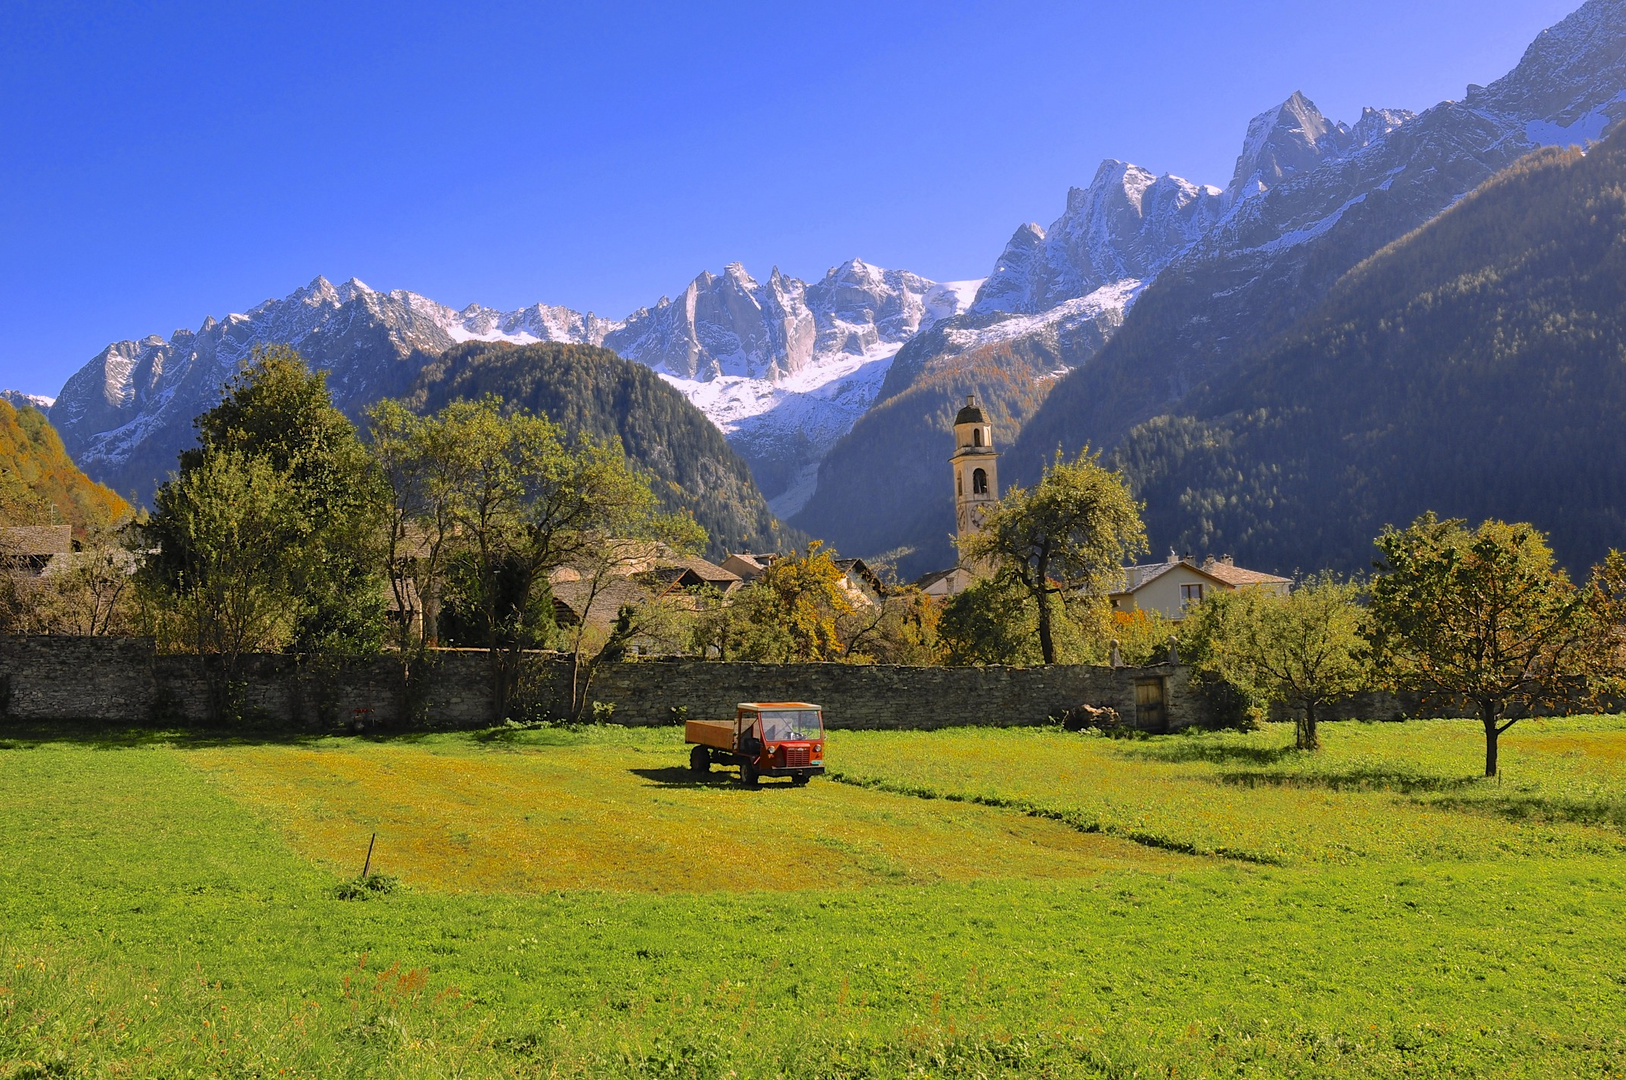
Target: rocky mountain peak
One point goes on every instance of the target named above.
(320, 291)
(1127, 224)
(1374, 124)
(351, 289)
(1571, 75)
(19, 400)
(1009, 286)
(1291, 138)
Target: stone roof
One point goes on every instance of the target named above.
(36, 540)
(1220, 570)
(970, 413)
(1235, 575)
(708, 572)
(926, 581)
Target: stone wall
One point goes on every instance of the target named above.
(124, 681)
(877, 697)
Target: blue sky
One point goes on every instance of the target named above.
(165, 161)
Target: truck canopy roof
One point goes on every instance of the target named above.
(777, 705)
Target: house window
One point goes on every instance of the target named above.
(976, 437)
(979, 482)
(1191, 594)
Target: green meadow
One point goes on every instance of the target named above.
(966, 903)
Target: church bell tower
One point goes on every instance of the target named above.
(976, 478)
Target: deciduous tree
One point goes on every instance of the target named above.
(1303, 650)
(1066, 538)
(504, 497)
(1484, 614)
(224, 579)
(1606, 612)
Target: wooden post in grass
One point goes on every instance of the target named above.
(368, 865)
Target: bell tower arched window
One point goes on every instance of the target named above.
(976, 437)
(979, 482)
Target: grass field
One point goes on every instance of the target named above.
(961, 903)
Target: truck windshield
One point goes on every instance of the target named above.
(790, 725)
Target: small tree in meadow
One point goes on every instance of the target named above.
(1303, 650)
(1606, 611)
(1484, 614)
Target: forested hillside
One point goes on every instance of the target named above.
(1476, 367)
(592, 390)
(40, 484)
(889, 477)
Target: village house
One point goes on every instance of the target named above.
(861, 585)
(1177, 583)
(639, 572)
(28, 550)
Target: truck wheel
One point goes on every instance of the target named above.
(700, 761)
(748, 773)
(800, 779)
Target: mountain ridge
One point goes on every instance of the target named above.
(1308, 200)
(745, 351)
(1475, 367)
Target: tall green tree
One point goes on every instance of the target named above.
(501, 498)
(1484, 614)
(268, 535)
(420, 472)
(1303, 650)
(992, 622)
(1066, 538)
(278, 412)
(222, 579)
(1606, 611)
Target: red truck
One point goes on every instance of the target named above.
(765, 738)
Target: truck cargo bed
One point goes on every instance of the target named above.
(714, 733)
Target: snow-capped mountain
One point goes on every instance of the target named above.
(785, 368)
(1062, 292)
(1126, 224)
(1278, 250)
(1145, 287)
(782, 367)
(1294, 137)
(17, 399)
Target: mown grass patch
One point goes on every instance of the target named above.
(622, 811)
(1377, 791)
(160, 919)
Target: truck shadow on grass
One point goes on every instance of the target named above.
(677, 776)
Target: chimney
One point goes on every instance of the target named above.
(1226, 559)
(1208, 561)
(1173, 558)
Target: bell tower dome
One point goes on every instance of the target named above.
(976, 476)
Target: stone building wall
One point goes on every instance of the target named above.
(879, 697)
(125, 681)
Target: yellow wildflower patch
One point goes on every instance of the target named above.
(455, 816)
